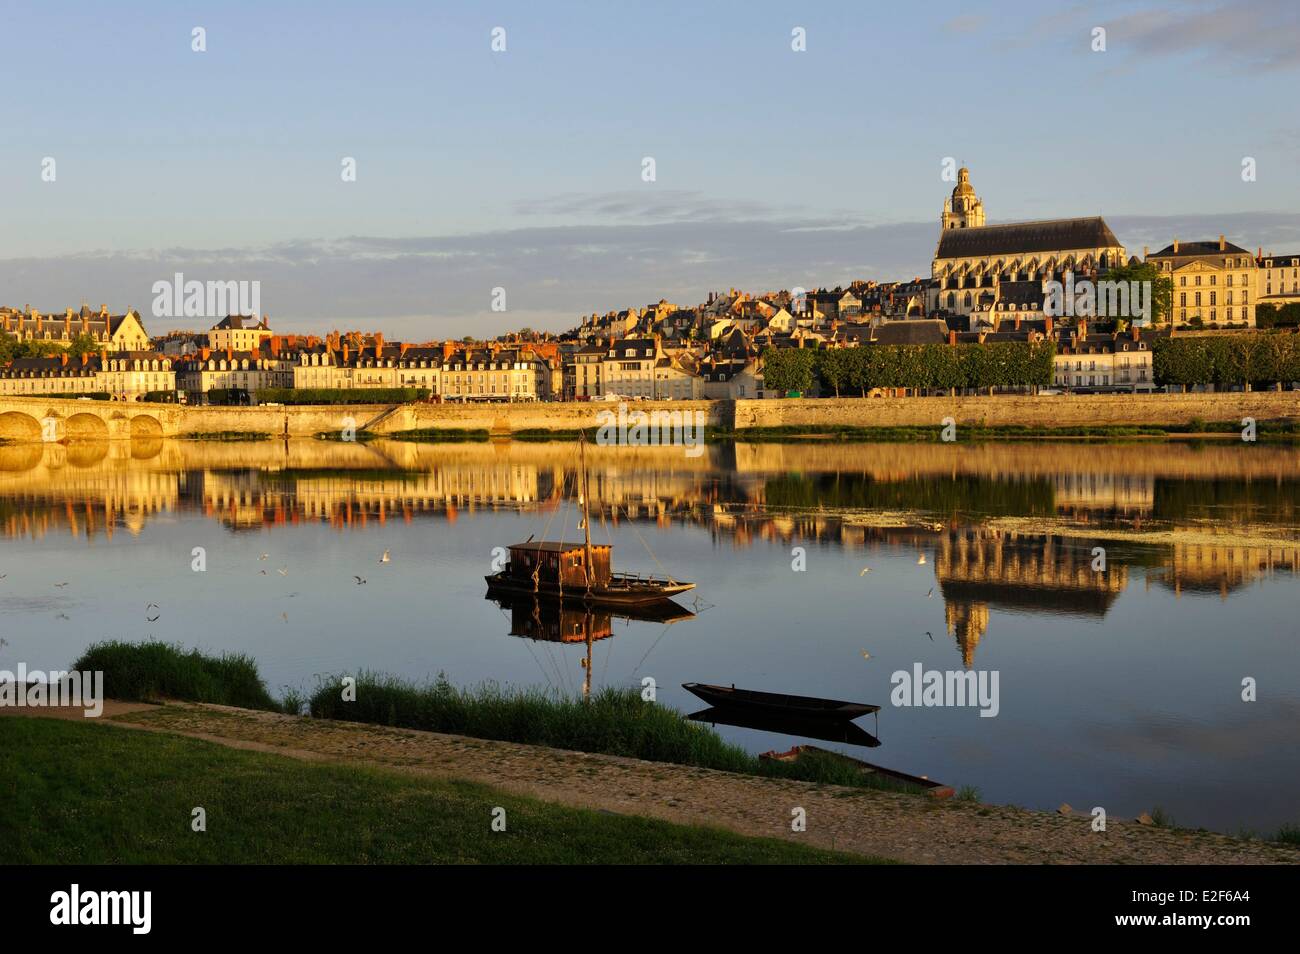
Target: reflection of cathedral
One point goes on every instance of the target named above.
(979, 568)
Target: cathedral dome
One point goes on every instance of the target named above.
(963, 183)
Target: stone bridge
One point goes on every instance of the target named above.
(33, 419)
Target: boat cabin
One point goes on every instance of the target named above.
(560, 563)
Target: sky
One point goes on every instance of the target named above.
(522, 169)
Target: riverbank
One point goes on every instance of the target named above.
(115, 796)
(861, 822)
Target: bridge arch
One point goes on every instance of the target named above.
(85, 427)
(144, 425)
(17, 426)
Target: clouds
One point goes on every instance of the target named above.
(420, 287)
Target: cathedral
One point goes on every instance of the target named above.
(995, 272)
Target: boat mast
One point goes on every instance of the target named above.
(586, 517)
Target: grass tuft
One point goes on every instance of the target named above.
(152, 671)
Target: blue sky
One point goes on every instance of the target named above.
(522, 169)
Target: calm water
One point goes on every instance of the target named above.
(1120, 689)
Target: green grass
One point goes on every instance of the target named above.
(612, 722)
(119, 796)
(151, 671)
(1288, 835)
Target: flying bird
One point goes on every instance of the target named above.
(60, 584)
(865, 571)
(151, 612)
(920, 559)
(865, 654)
(384, 558)
(283, 571)
(264, 556)
(931, 635)
(930, 594)
(358, 579)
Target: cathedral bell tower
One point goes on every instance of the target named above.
(964, 210)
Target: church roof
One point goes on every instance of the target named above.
(1048, 235)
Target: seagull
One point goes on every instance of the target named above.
(920, 559)
(930, 594)
(384, 558)
(283, 571)
(263, 572)
(151, 612)
(928, 633)
(358, 579)
(264, 556)
(865, 654)
(62, 616)
(3, 575)
(865, 571)
(60, 584)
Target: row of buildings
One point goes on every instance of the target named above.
(987, 283)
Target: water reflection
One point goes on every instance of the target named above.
(1121, 684)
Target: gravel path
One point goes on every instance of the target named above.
(902, 827)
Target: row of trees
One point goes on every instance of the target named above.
(11, 347)
(1241, 360)
(1278, 316)
(930, 366)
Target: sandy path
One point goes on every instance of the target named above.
(903, 827)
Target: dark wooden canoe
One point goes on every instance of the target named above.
(808, 707)
(929, 786)
(826, 730)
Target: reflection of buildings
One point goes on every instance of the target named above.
(1210, 568)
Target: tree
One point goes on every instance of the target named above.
(82, 343)
(788, 369)
(833, 368)
(1162, 289)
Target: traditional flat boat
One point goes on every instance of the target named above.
(808, 707)
(929, 786)
(578, 572)
(827, 730)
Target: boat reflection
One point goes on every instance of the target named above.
(557, 621)
(826, 731)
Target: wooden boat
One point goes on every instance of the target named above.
(932, 788)
(808, 707)
(827, 730)
(578, 572)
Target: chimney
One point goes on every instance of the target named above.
(85, 358)
(103, 358)
(103, 311)
(204, 354)
(275, 346)
(1221, 243)
(230, 354)
(1048, 324)
(448, 349)
(63, 359)
(1175, 246)
(952, 336)
(344, 349)
(379, 344)
(1137, 332)
(402, 346)
(1146, 252)
(1017, 325)
(1083, 329)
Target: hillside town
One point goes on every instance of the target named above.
(989, 285)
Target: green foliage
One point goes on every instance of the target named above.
(82, 343)
(1162, 288)
(789, 369)
(1227, 361)
(11, 348)
(153, 670)
(340, 395)
(935, 366)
